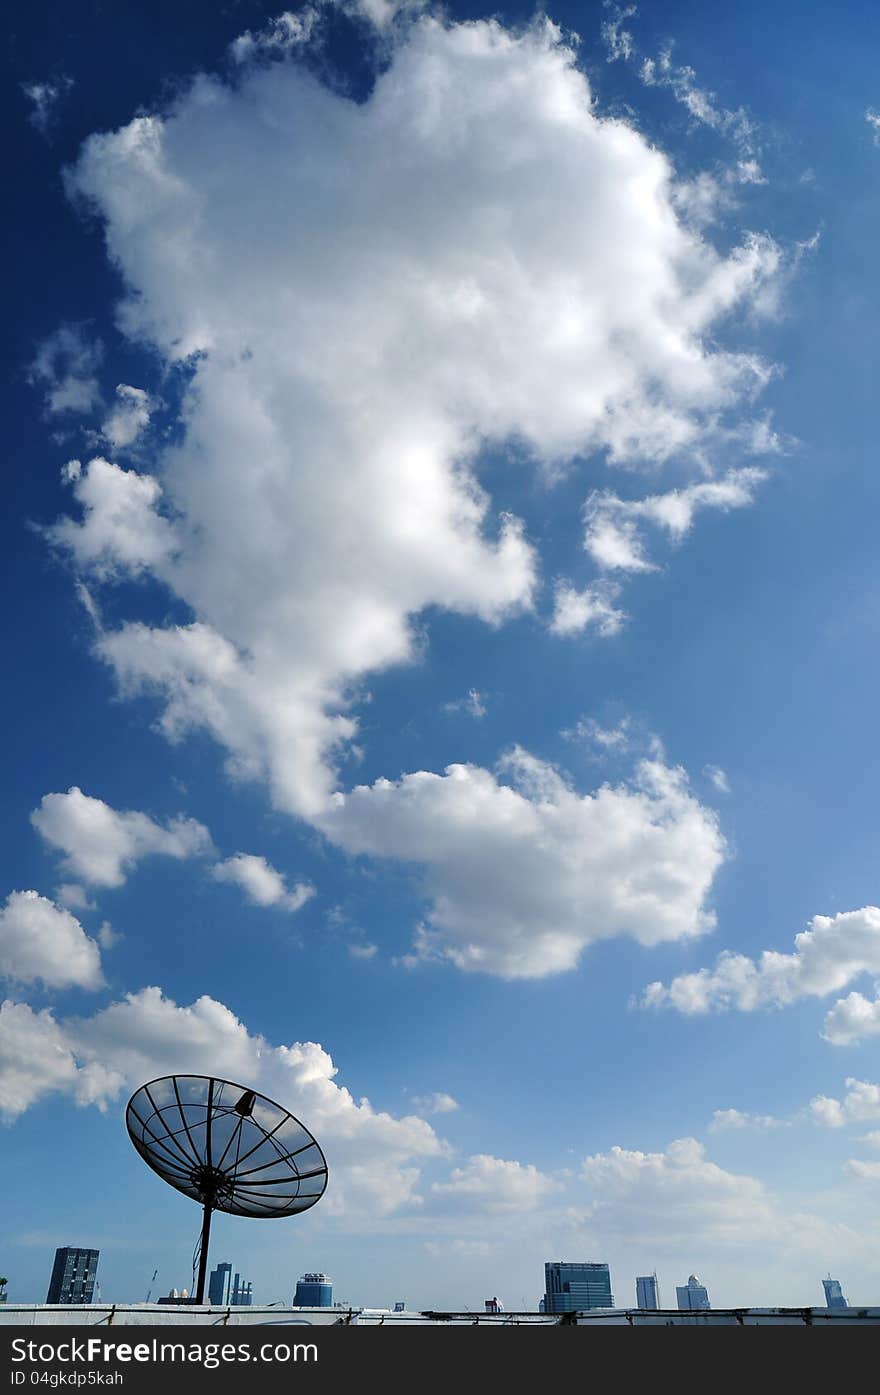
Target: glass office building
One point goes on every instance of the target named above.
(833, 1293)
(573, 1288)
(647, 1292)
(314, 1291)
(692, 1295)
(73, 1276)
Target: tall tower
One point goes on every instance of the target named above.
(647, 1292)
(833, 1293)
(73, 1276)
(692, 1296)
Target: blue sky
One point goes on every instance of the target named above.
(442, 636)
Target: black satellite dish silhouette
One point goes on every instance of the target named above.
(227, 1147)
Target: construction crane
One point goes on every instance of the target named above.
(150, 1289)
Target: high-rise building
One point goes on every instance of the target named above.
(833, 1293)
(647, 1292)
(692, 1295)
(229, 1289)
(572, 1288)
(73, 1276)
(314, 1291)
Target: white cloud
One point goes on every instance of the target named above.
(74, 897)
(279, 37)
(615, 738)
(613, 536)
(128, 418)
(44, 98)
(701, 105)
(834, 950)
(65, 367)
(680, 1206)
(261, 883)
(873, 119)
(102, 845)
(42, 941)
(437, 1103)
(724, 1119)
(591, 609)
(865, 1171)
(504, 264)
(121, 531)
(523, 875)
(108, 938)
(872, 1138)
(662, 1197)
(366, 951)
(618, 41)
(860, 1103)
(473, 705)
(852, 1019)
(717, 777)
(36, 1060)
(490, 1185)
(374, 1156)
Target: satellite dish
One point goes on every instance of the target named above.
(228, 1148)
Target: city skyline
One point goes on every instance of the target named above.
(441, 569)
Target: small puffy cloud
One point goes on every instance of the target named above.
(523, 872)
(490, 1185)
(44, 98)
(860, 1103)
(717, 778)
(108, 938)
(121, 531)
(65, 368)
(74, 897)
(101, 845)
(872, 1139)
(852, 1019)
(613, 537)
(834, 950)
(365, 951)
(40, 941)
(865, 1171)
(128, 418)
(261, 883)
(873, 119)
(375, 1157)
(725, 1119)
(592, 609)
(472, 705)
(438, 1103)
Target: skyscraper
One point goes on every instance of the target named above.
(73, 1276)
(228, 1289)
(647, 1292)
(314, 1291)
(833, 1293)
(692, 1295)
(572, 1288)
